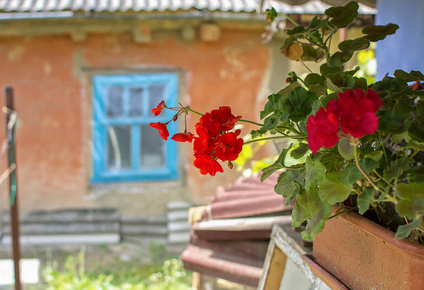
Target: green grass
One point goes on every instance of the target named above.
(73, 275)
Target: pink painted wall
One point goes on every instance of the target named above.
(53, 96)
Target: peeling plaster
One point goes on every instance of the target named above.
(47, 68)
(16, 52)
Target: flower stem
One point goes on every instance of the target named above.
(367, 177)
(193, 111)
(276, 137)
(305, 66)
(243, 121)
(250, 122)
(288, 18)
(381, 177)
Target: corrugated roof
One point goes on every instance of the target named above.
(244, 6)
(230, 236)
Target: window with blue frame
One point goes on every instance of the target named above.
(125, 147)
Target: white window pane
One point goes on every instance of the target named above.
(156, 95)
(115, 101)
(152, 148)
(136, 102)
(119, 147)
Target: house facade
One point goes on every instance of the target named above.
(87, 74)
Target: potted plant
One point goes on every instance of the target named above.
(358, 149)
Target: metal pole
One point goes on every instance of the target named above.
(14, 215)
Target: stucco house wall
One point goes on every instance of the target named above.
(51, 74)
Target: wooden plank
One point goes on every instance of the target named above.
(65, 239)
(68, 228)
(70, 215)
(276, 270)
(144, 230)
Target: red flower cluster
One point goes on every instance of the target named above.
(213, 142)
(354, 112)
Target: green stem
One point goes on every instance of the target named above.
(288, 18)
(367, 177)
(342, 212)
(193, 111)
(293, 130)
(243, 121)
(272, 138)
(305, 66)
(381, 177)
(250, 122)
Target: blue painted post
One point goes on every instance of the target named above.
(403, 50)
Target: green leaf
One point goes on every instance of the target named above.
(354, 44)
(315, 22)
(416, 131)
(365, 199)
(316, 84)
(352, 72)
(277, 165)
(379, 32)
(299, 103)
(397, 168)
(314, 172)
(338, 82)
(376, 155)
(394, 122)
(300, 151)
(314, 79)
(297, 30)
(405, 230)
(288, 184)
(287, 90)
(325, 70)
(342, 16)
(411, 199)
(367, 164)
(309, 206)
(339, 58)
(346, 149)
(360, 83)
(311, 53)
(334, 188)
(388, 85)
(409, 77)
(272, 105)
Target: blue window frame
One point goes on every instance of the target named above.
(125, 147)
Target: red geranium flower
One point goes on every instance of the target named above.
(229, 146)
(156, 111)
(357, 112)
(183, 137)
(322, 128)
(207, 165)
(163, 131)
(225, 118)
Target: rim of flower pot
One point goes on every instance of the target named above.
(323, 274)
(379, 231)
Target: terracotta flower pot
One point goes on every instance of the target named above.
(365, 255)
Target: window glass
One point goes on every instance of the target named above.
(152, 148)
(115, 101)
(136, 102)
(119, 147)
(156, 95)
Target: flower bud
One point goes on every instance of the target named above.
(294, 51)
